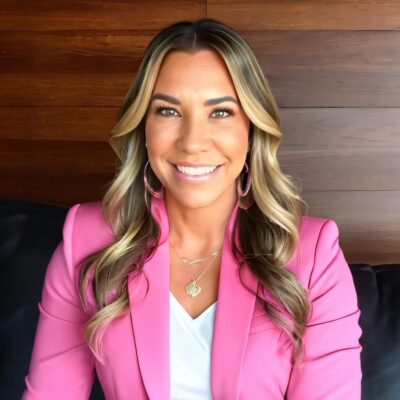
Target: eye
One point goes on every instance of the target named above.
(227, 110)
(169, 111)
(162, 108)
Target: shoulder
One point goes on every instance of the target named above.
(325, 271)
(318, 234)
(88, 214)
(319, 241)
(84, 232)
(321, 267)
(312, 226)
(87, 229)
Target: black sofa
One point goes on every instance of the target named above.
(29, 233)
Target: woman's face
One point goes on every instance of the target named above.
(195, 117)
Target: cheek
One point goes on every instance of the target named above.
(236, 133)
(234, 142)
(158, 140)
(148, 130)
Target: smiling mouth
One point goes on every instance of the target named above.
(200, 174)
(196, 170)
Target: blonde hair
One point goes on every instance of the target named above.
(268, 229)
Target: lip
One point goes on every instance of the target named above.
(198, 178)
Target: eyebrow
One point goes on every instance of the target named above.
(175, 100)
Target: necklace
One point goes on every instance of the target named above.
(186, 260)
(192, 288)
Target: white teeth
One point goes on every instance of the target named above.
(196, 171)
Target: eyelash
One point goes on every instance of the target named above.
(226, 109)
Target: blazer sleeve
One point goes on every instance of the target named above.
(331, 364)
(62, 365)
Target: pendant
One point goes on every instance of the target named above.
(193, 288)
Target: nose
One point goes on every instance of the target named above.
(194, 136)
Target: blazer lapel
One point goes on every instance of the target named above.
(233, 318)
(234, 313)
(150, 312)
(150, 316)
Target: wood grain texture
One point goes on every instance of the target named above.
(96, 14)
(68, 51)
(350, 149)
(368, 221)
(347, 162)
(65, 67)
(305, 69)
(346, 127)
(339, 168)
(84, 124)
(307, 15)
(61, 172)
(330, 68)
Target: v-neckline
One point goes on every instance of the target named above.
(188, 316)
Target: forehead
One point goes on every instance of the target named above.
(204, 69)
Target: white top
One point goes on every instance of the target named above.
(190, 352)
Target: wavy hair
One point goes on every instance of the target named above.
(268, 228)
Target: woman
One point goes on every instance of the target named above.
(199, 275)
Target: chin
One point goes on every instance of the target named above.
(194, 200)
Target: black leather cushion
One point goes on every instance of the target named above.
(378, 293)
(29, 233)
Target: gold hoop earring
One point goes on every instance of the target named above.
(241, 193)
(159, 194)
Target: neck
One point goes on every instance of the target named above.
(198, 232)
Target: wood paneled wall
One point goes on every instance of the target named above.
(333, 67)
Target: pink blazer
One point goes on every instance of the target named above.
(248, 359)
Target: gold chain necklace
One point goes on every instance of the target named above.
(192, 288)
